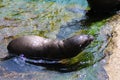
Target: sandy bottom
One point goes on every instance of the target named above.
(113, 65)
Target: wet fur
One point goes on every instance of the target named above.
(35, 47)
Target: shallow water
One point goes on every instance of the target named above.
(55, 19)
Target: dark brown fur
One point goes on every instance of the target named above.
(35, 47)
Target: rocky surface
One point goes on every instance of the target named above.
(113, 65)
(104, 5)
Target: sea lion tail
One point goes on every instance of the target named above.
(9, 56)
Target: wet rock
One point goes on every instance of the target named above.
(104, 5)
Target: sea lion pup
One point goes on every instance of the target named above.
(36, 47)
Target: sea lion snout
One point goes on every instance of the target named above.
(89, 38)
(86, 40)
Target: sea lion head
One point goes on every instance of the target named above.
(77, 43)
(79, 40)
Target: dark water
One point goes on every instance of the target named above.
(55, 19)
